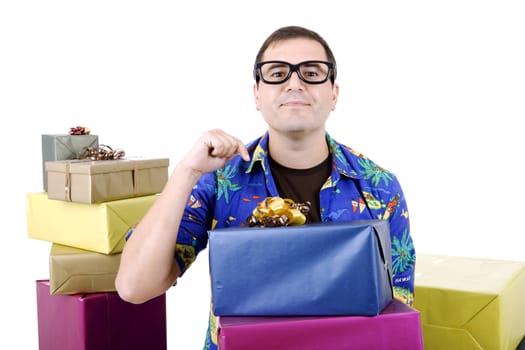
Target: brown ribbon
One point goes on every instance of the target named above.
(102, 152)
(134, 178)
(68, 184)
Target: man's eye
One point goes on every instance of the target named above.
(311, 73)
(277, 73)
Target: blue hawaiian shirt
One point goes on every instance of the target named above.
(358, 189)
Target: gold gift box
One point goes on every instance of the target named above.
(470, 303)
(96, 227)
(74, 270)
(95, 181)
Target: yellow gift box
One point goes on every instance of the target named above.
(73, 270)
(96, 227)
(470, 303)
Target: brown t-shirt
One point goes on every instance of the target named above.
(302, 185)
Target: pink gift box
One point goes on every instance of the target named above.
(99, 321)
(398, 326)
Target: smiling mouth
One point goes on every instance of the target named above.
(294, 104)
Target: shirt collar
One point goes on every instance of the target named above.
(260, 153)
(344, 159)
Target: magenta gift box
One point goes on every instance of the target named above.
(398, 326)
(99, 321)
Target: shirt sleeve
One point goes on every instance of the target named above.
(403, 252)
(197, 219)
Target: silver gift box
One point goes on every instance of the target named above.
(63, 147)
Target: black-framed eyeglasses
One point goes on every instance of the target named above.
(311, 72)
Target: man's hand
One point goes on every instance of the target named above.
(212, 150)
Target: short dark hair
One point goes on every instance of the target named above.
(293, 32)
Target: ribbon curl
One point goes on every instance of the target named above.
(277, 211)
(102, 152)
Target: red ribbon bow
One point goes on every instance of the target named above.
(79, 130)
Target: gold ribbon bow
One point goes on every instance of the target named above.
(277, 211)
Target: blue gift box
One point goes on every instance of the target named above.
(333, 268)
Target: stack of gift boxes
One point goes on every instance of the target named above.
(316, 286)
(328, 286)
(92, 196)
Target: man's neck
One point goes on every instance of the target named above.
(300, 151)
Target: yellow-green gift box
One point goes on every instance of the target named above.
(470, 303)
(96, 227)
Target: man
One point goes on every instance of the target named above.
(220, 181)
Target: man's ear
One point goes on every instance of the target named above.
(256, 96)
(335, 95)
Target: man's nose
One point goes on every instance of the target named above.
(294, 83)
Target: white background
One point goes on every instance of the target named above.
(431, 90)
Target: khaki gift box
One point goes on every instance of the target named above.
(64, 146)
(469, 303)
(73, 270)
(96, 227)
(95, 181)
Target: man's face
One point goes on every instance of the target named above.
(295, 106)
